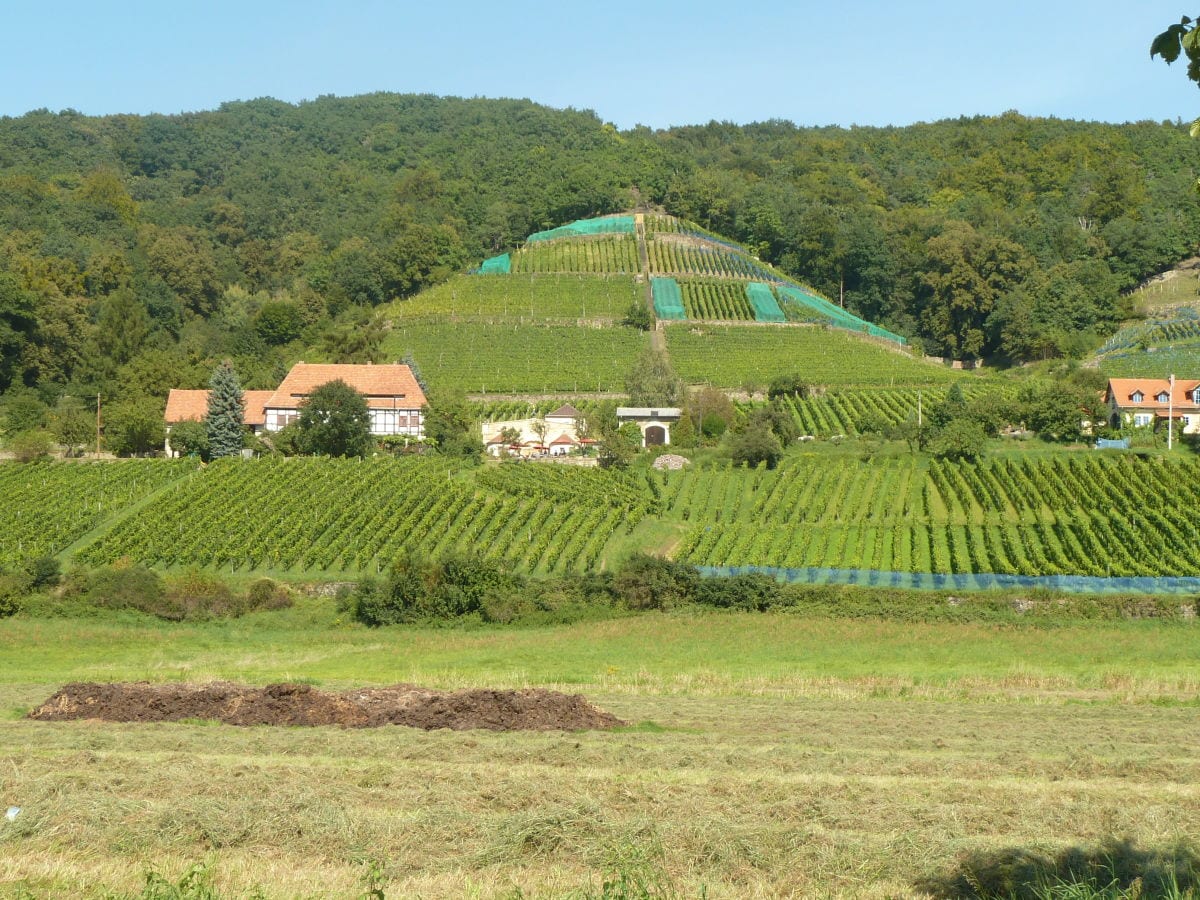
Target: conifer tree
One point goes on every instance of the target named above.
(224, 421)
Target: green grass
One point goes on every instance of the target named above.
(731, 356)
(521, 299)
(517, 358)
(709, 655)
(770, 756)
(1184, 288)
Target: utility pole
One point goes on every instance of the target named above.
(97, 425)
(1170, 412)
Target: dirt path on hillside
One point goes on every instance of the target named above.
(531, 709)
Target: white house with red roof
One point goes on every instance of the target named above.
(394, 398)
(1146, 402)
(192, 406)
(555, 434)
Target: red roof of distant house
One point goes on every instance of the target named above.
(186, 406)
(1123, 390)
(192, 406)
(566, 411)
(384, 387)
(564, 438)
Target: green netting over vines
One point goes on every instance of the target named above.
(838, 317)
(766, 308)
(668, 300)
(603, 225)
(497, 265)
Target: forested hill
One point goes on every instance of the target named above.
(135, 251)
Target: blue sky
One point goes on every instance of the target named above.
(651, 63)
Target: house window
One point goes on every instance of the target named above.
(1137, 396)
(1196, 395)
(1142, 419)
(1162, 397)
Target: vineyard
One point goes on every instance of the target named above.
(45, 507)
(716, 300)
(508, 410)
(1056, 514)
(595, 256)
(550, 298)
(670, 256)
(845, 412)
(477, 357)
(1084, 515)
(730, 356)
(339, 517)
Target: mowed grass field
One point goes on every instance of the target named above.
(770, 755)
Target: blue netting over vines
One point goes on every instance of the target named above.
(928, 581)
(604, 225)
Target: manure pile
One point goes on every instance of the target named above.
(301, 705)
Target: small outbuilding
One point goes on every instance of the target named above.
(654, 422)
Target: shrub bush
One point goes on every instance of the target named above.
(198, 595)
(419, 588)
(268, 595)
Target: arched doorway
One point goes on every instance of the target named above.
(656, 436)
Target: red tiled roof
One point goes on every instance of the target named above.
(566, 411)
(563, 438)
(385, 387)
(1123, 389)
(255, 403)
(186, 406)
(192, 406)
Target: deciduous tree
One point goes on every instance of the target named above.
(335, 421)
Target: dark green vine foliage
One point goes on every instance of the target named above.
(225, 412)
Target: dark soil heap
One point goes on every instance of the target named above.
(299, 704)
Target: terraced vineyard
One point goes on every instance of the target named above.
(844, 412)
(599, 256)
(730, 356)
(719, 300)
(349, 516)
(1181, 358)
(669, 256)
(546, 298)
(505, 410)
(44, 507)
(476, 357)
(1079, 515)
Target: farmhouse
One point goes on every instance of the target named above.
(192, 406)
(394, 398)
(1146, 402)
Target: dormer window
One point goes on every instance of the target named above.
(1137, 396)
(1196, 395)
(1162, 397)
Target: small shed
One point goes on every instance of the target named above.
(654, 422)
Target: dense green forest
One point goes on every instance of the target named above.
(136, 251)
